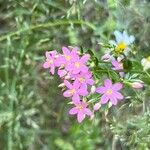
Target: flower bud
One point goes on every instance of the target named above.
(106, 57)
(137, 85)
(61, 85)
(93, 89)
(97, 106)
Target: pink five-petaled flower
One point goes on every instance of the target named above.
(75, 90)
(50, 61)
(78, 64)
(81, 110)
(83, 78)
(118, 66)
(110, 92)
(67, 56)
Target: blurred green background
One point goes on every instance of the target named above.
(33, 113)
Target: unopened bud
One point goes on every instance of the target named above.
(106, 57)
(137, 85)
(97, 106)
(93, 89)
(61, 85)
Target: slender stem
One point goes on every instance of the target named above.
(49, 24)
(9, 142)
(147, 74)
(114, 142)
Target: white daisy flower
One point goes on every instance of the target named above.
(123, 40)
(146, 63)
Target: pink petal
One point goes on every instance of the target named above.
(113, 100)
(80, 116)
(61, 73)
(76, 70)
(46, 65)
(104, 99)
(69, 67)
(74, 51)
(68, 84)
(115, 63)
(88, 112)
(117, 86)
(118, 95)
(67, 93)
(52, 70)
(66, 51)
(84, 69)
(73, 111)
(76, 98)
(108, 83)
(83, 91)
(85, 58)
(47, 54)
(101, 89)
(76, 84)
(90, 81)
(53, 53)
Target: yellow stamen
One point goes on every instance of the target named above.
(148, 58)
(77, 64)
(120, 47)
(50, 61)
(80, 107)
(109, 92)
(67, 57)
(81, 79)
(72, 91)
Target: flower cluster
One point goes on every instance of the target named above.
(76, 77)
(73, 68)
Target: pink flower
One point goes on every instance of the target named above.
(81, 110)
(83, 78)
(61, 72)
(74, 91)
(118, 66)
(50, 61)
(78, 64)
(67, 56)
(110, 92)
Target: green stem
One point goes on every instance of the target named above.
(49, 24)
(9, 142)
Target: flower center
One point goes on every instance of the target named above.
(148, 58)
(77, 64)
(120, 47)
(81, 79)
(67, 57)
(50, 61)
(80, 107)
(121, 65)
(109, 92)
(72, 91)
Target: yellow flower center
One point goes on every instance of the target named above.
(72, 91)
(80, 107)
(121, 65)
(77, 64)
(120, 47)
(109, 92)
(67, 57)
(50, 61)
(81, 79)
(148, 58)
